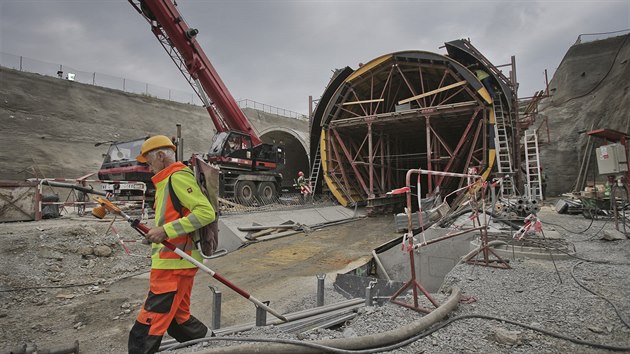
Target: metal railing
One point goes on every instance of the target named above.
(590, 37)
(65, 72)
(247, 103)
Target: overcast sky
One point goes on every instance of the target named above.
(279, 52)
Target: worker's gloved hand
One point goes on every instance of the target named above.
(157, 235)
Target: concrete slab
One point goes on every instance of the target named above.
(432, 262)
(231, 238)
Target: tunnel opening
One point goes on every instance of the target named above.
(402, 111)
(296, 157)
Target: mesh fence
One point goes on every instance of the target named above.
(591, 37)
(246, 103)
(65, 72)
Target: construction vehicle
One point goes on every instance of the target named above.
(247, 164)
(119, 164)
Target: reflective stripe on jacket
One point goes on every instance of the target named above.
(196, 210)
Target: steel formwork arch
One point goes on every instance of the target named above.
(404, 110)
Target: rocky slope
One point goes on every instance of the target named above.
(589, 90)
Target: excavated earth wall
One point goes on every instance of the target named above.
(590, 90)
(49, 126)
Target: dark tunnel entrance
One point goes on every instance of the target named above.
(296, 156)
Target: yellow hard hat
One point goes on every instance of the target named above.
(154, 142)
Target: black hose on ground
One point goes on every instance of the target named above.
(619, 314)
(537, 329)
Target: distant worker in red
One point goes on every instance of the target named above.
(167, 306)
(303, 183)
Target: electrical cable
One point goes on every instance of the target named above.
(583, 231)
(544, 331)
(571, 231)
(613, 206)
(621, 317)
(602, 79)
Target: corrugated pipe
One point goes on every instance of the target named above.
(356, 343)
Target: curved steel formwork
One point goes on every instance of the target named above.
(404, 110)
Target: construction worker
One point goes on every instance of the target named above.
(167, 306)
(303, 183)
(231, 145)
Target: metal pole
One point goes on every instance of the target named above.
(310, 108)
(320, 289)
(179, 142)
(216, 307)
(370, 161)
(516, 139)
(368, 293)
(429, 156)
(261, 315)
(546, 84)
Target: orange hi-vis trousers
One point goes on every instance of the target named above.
(168, 299)
(166, 308)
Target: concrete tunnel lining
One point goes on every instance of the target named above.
(400, 111)
(295, 148)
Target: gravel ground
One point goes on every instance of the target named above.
(583, 298)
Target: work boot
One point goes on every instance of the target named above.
(189, 330)
(141, 342)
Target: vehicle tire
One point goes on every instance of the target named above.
(245, 192)
(267, 193)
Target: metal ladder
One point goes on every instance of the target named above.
(533, 189)
(315, 169)
(502, 144)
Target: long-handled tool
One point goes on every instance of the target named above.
(106, 206)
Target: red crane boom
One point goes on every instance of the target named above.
(178, 39)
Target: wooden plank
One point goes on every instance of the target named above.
(365, 101)
(263, 232)
(445, 88)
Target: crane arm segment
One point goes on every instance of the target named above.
(178, 39)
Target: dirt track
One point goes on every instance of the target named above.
(46, 258)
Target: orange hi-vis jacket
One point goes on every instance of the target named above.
(196, 210)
